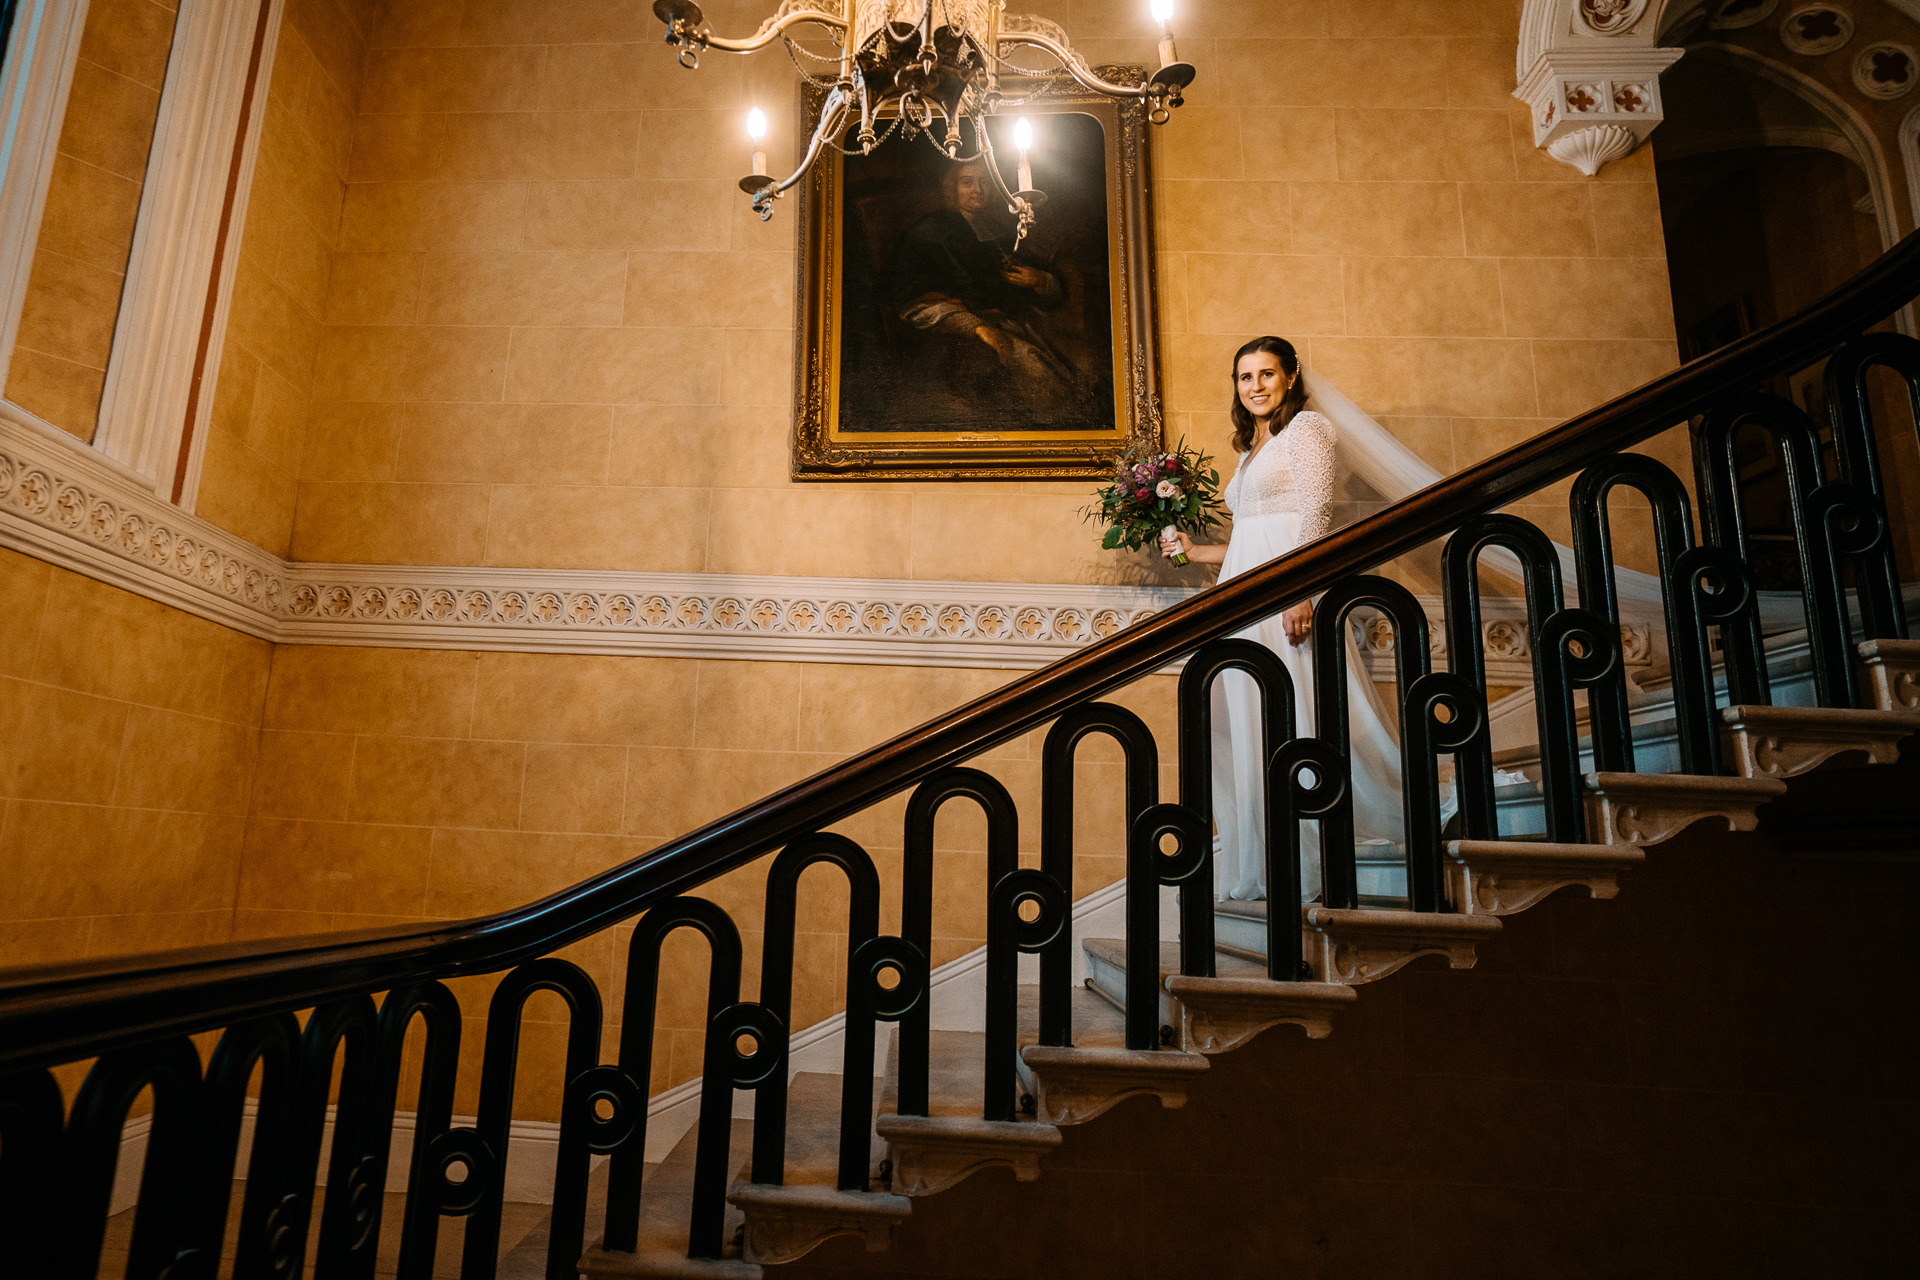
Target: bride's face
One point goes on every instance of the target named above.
(1261, 383)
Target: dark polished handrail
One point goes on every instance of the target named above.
(57, 1013)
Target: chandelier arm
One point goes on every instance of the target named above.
(1016, 204)
(1075, 66)
(773, 31)
(832, 115)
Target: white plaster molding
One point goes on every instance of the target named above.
(1589, 72)
(33, 106)
(67, 504)
(73, 506)
(1588, 149)
(149, 380)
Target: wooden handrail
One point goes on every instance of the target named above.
(58, 1013)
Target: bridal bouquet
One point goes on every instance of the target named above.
(1156, 493)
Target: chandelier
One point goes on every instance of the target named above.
(922, 67)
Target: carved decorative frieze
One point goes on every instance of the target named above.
(57, 504)
(62, 505)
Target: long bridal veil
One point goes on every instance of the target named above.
(1371, 452)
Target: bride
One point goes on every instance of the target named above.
(1281, 496)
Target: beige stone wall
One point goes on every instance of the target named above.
(400, 786)
(258, 426)
(86, 231)
(127, 741)
(559, 338)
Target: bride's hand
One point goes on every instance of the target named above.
(1298, 622)
(1175, 544)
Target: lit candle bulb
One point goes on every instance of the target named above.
(1023, 140)
(1163, 14)
(757, 129)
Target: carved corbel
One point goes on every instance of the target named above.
(1589, 72)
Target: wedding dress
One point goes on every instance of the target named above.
(1282, 497)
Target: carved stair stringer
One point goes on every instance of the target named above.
(942, 1148)
(1647, 808)
(1217, 1014)
(665, 1209)
(1073, 1085)
(1359, 946)
(1781, 742)
(1505, 877)
(784, 1222)
(1890, 672)
(932, 1153)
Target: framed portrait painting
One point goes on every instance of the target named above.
(937, 343)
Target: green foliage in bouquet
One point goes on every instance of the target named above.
(1153, 490)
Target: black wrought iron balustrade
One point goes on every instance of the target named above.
(57, 1162)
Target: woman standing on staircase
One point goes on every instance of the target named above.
(1281, 496)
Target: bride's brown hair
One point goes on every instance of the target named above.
(1293, 402)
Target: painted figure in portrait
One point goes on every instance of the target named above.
(941, 342)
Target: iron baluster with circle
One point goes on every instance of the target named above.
(483, 1149)
(1578, 650)
(916, 898)
(272, 1045)
(345, 1029)
(776, 994)
(1466, 659)
(32, 1112)
(1142, 767)
(720, 1070)
(1444, 713)
(870, 1000)
(1411, 660)
(1195, 698)
(1306, 780)
(1713, 590)
(1692, 668)
(1882, 614)
(1148, 867)
(90, 1148)
(1009, 933)
(439, 1014)
(1821, 590)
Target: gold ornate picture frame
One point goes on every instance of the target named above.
(884, 393)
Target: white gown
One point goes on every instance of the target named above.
(1281, 499)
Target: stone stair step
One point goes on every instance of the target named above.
(933, 1152)
(1352, 947)
(807, 1208)
(1071, 1085)
(1781, 742)
(1646, 808)
(1504, 877)
(666, 1207)
(1213, 1015)
(1891, 673)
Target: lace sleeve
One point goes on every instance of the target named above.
(1310, 458)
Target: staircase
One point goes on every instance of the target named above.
(922, 1119)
